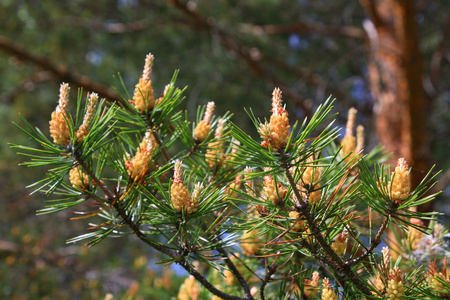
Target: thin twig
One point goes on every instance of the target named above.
(270, 271)
(60, 72)
(173, 254)
(242, 51)
(109, 194)
(233, 268)
(193, 149)
(315, 231)
(158, 141)
(236, 273)
(113, 201)
(306, 27)
(159, 247)
(95, 25)
(245, 265)
(208, 285)
(375, 242)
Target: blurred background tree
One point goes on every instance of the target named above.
(387, 58)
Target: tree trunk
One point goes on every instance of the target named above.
(395, 75)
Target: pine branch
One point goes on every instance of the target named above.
(96, 25)
(159, 247)
(244, 53)
(377, 240)
(270, 271)
(236, 273)
(180, 260)
(208, 285)
(160, 145)
(136, 230)
(304, 209)
(60, 72)
(308, 27)
(111, 199)
(108, 193)
(232, 267)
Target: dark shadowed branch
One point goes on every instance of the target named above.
(307, 27)
(59, 72)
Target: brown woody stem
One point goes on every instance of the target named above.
(159, 247)
(270, 271)
(236, 273)
(375, 242)
(304, 208)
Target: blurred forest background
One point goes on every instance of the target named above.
(388, 58)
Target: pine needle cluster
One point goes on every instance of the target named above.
(289, 215)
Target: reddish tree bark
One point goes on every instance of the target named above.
(395, 75)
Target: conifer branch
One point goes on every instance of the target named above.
(376, 240)
(181, 260)
(186, 207)
(208, 285)
(243, 52)
(304, 209)
(270, 271)
(111, 199)
(137, 231)
(60, 72)
(236, 273)
(158, 142)
(108, 193)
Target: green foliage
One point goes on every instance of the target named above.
(78, 34)
(274, 217)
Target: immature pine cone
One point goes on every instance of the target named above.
(143, 98)
(311, 286)
(312, 173)
(214, 153)
(395, 289)
(203, 128)
(251, 242)
(400, 182)
(313, 197)
(415, 235)
(232, 188)
(327, 291)
(359, 138)
(166, 89)
(88, 117)
(272, 193)
(311, 176)
(340, 244)
(78, 179)
(179, 194)
(138, 166)
(349, 141)
(437, 287)
(379, 284)
(299, 224)
(249, 184)
(279, 122)
(59, 130)
(386, 257)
